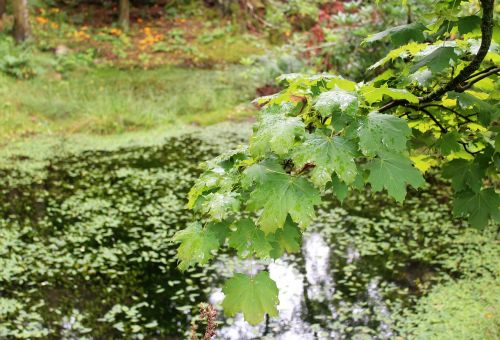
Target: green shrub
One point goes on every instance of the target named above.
(15, 61)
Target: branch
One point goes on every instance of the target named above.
(481, 72)
(431, 116)
(467, 149)
(480, 76)
(486, 36)
(394, 103)
(466, 118)
(487, 25)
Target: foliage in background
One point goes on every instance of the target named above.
(72, 37)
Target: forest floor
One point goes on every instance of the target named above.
(84, 75)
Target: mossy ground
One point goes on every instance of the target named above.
(109, 101)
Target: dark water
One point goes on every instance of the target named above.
(93, 234)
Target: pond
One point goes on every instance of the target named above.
(85, 251)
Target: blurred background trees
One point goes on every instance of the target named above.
(21, 20)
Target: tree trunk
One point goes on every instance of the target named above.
(3, 8)
(21, 20)
(124, 18)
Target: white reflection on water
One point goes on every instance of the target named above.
(291, 324)
(317, 256)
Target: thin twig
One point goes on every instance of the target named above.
(481, 72)
(431, 116)
(466, 118)
(467, 150)
(471, 82)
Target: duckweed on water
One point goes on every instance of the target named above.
(85, 250)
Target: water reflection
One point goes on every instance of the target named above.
(294, 277)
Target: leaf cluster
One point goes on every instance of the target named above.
(326, 132)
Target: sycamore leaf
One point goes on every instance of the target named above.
(225, 160)
(279, 194)
(286, 240)
(448, 143)
(336, 101)
(219, 173)
(464, 174)
(258, 172)
(404, 51)
(381, 132)
(219, 229)
(375, 94)
(209, 180)
(254, 296)
(480, 206)
(341, 83)
(340, 189)
(248, 240)
(423, 162)
(196, 245)
(328, 155)
(400, 34)
(393, 172)
(276, 132)
(468, 24)
(219, 205)
(468, 101)
(437, 61)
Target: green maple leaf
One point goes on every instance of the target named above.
(220, 172)
(339, 188)
(336, 101)
(486, 112)
(328, 155)
(219, 205)
(374, 94)
(279, 194)
(254, 296)
(393, 172)
(247, 239)
(404, 51)
(464, 174)
(437, 61)
(286, 240)
(468, 24)
(400, 34)
(209, 180)
(448, 142)
(219, 229)
(276, 132)
(196, 245)
(259, 172)
(497, 142)
(381, 132)
(480, 206)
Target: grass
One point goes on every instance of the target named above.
(108, 101)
